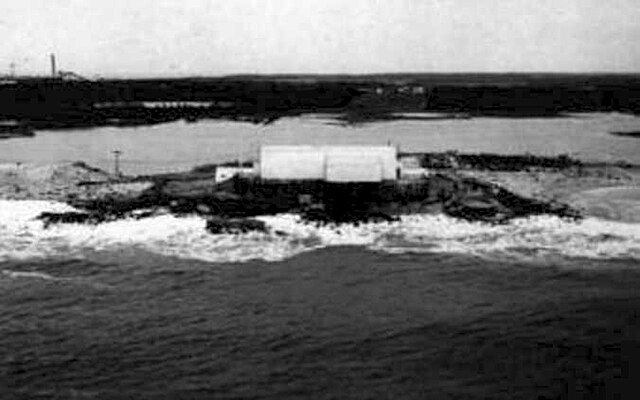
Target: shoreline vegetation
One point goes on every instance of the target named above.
(55, 103)
(476, 187)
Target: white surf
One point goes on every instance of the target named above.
(23, 236)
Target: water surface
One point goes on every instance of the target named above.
(331, 324)
(179, 146)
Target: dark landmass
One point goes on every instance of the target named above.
(11, 129)
(632, 134)
(228, 205)
(50, 218)
(217, 225)
(41, 103)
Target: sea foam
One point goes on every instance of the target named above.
(22, 236)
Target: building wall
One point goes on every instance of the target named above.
(341, 168)
(291, 163)
(333, 163)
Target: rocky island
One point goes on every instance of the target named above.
(481, 187)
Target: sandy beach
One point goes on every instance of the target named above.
(60, 182)
(620, 203)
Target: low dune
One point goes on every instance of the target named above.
(620, 203)
(610, 193)
(61, 182)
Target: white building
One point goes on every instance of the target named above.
(329, 163)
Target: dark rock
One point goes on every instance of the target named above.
(355, 217)
(478, 211)
(217, 225)
(495, 162)
(70, 218)
(141, 214)
(203, 209)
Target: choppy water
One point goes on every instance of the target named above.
(429, 307)
(179, 145)
(330, 324)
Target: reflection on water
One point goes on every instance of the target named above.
(178, 145)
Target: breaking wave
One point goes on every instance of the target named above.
(23, 237)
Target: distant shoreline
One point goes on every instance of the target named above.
(348, 119)
(56, 103)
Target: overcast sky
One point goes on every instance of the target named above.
(213, 37)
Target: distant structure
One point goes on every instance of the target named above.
(54, 72)
(329, 163)
(63, 75)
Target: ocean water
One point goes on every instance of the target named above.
(425, 308)
(428, 307)
(331, 324)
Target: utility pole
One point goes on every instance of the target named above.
(116, 164)
(12, 70)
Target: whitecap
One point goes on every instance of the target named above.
(27, 274)
(22, 236)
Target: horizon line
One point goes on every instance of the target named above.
(324, 74)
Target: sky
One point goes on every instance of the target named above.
(112, 38)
